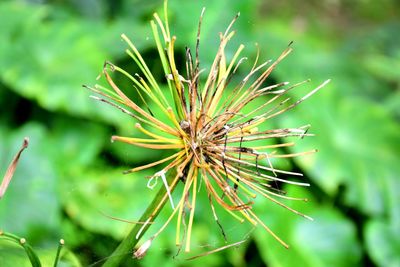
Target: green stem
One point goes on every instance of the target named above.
(125, 248)
(60, 245)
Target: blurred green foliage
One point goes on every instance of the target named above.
(69, 180)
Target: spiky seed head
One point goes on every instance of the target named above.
(214, 137)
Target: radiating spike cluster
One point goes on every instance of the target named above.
(213, 141)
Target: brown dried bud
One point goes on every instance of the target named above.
(141, 251)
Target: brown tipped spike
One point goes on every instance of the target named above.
(11, 168)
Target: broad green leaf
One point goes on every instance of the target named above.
(48, 60)
(76, 143)
(383, 243)
(312, 243)
(383, 66)
(357, 138)
(357, 142)
(382, 234)
(91, 196)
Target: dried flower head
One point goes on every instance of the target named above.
(203, 121)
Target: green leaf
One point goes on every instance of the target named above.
(382, 238)
(76, 142)
(383, 66)
(92, 195)
(357, 142)
(383, 243)
(312, 243)
(48, 60)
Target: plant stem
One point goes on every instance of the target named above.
(125, 248)
(57, 258)
(33, 258)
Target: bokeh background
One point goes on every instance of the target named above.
(70, 178)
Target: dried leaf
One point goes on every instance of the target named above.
(11, 169)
